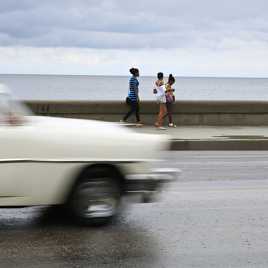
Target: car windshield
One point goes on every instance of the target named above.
(4, 104)
(11, 108)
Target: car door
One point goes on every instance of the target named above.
(13, 144)
(5, 166)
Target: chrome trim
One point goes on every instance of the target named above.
(11, 196)
(162, 174)
(118, 161)
(148, 185)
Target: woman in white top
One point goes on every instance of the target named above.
(161, 99)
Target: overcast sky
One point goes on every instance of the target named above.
(185, 37)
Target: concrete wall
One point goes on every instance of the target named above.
(185, 112)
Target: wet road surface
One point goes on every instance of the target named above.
(215, 216)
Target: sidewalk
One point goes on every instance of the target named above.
(214, 137)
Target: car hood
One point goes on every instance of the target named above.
(74, 124)
(78, 138)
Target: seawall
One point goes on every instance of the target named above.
(217, 113)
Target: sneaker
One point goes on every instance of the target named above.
(139, 124)
(172, 125)
(161, 128)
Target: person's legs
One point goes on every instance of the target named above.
(169, 112)
(162, 112)
(137, 112)
(166, 114)
(132, 110)
(157, 118)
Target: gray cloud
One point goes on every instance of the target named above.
(126, 24)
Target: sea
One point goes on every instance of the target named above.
(83, 87)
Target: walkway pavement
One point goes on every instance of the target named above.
(214, 137)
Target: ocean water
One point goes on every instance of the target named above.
(71, 87)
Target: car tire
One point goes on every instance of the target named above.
(96, 197)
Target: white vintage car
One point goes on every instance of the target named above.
(88, 166)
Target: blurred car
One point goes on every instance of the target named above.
(87, 166)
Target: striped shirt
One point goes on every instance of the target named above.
(133, 93)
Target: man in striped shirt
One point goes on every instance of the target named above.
(133, 96)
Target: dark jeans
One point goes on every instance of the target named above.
(169, 112)
(134, 108)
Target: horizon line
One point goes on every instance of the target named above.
(118, 75)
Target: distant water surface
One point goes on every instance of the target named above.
(72, 87)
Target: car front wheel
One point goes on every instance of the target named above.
(96, 197)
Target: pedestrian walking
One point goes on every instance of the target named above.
(170, 99)
(161, 100)
(133, 97)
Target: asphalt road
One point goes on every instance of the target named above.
(214, 216)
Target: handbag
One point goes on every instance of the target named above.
(128, 100)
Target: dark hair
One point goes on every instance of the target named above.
(171, 79)
(160, 76)
(134, 71)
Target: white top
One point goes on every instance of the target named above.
(160, 95)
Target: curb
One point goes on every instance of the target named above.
(219, 145)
